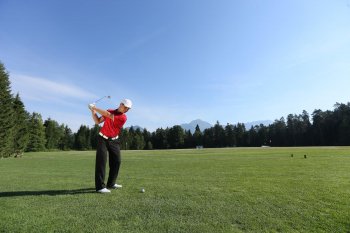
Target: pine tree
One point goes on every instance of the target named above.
(176, 137)
(147, 138)
(53, 134)
(198, 137)
(36, 133)
(138, 142)
(67, 140)
(6, 115)
(82, 138)
(21, 137)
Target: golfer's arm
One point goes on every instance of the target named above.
(97, 120)
(103, 113)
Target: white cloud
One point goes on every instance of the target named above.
(40, 89)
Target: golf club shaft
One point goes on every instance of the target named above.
(102, 98)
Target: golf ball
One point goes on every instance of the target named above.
(142, 190)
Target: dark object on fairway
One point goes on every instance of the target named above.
(291, 155)
(304, 156)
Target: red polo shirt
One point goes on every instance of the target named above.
(111, 128)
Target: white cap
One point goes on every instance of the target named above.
(127, 103)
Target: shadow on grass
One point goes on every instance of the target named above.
(47, 192)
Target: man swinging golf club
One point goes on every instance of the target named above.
(113, 121)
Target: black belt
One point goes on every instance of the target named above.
(105, 137)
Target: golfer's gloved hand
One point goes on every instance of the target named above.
(90, 106)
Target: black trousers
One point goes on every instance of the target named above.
(104, 147)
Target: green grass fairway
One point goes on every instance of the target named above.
(209, 190)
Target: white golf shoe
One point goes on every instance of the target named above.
(116, 186)
(104, 190)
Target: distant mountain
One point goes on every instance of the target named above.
(248, 125)
(205, 125)
(135, 127)
(192, 125)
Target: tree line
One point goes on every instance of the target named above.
(22, 131)
(325, 128)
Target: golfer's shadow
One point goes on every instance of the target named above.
(47, 192)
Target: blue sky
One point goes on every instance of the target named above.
(177, 60)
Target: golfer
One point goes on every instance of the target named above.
(113, 121)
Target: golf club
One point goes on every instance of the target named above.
(93, 104)
(107, 96)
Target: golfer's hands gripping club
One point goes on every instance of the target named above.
(91, 106)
